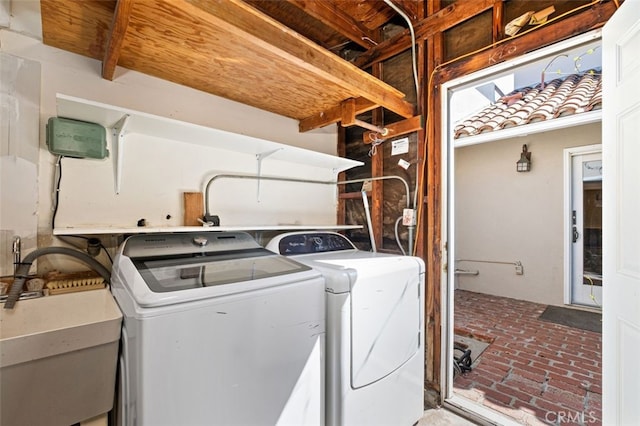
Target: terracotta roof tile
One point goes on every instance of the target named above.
(574, 94)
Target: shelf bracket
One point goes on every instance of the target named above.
(259, 158)
(118, 132)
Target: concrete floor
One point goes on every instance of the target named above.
(442, 417)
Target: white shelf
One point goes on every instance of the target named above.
(147, 230)
(167, 128)
(126, 126)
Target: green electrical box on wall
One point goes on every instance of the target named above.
(75, 138)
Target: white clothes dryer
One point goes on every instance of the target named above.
(218, 331)
(375, 323)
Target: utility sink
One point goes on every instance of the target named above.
(58, 357)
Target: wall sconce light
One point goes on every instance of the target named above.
(524, 163)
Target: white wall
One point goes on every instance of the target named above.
(70, 74)
(502, 215)
(19, 155)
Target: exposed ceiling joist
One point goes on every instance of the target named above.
(327, 13)
(333, 115)
(442, 20)
(412, 8)
(590, 19)
(118, 31)
(243, 22)
(226, 48)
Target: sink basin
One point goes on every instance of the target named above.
(58, 357)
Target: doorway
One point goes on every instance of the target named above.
(505, 250)
(583, 226)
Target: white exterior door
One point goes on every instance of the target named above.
(585, 229)
(621, 216)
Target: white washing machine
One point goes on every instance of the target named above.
(218, 331)
(375, 323)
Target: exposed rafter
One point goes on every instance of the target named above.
(327, 13)
(333, 115)
(440, 21)
(584, 21)
(119, 26)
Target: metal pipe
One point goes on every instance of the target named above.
(255, 177)
(516, 263)
(17, 256)
(286, 179)
(365, 201)
(466, 272)
(319, 182)
(382, 130)
(395, 230)
(406, 185)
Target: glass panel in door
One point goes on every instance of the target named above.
(587, 230)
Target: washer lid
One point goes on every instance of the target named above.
(175, 262)
(174, 273)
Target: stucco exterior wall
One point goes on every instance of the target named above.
(505, 216)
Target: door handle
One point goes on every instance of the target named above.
(576, 234)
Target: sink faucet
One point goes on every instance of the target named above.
(17, 246)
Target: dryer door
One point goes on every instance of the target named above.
(385, 317)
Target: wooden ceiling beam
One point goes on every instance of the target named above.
(118, 31)
(244, 22)
(440, 21)
(333, 115)
(498, 21)
(331, 16)
(592, 18)
(410, 7)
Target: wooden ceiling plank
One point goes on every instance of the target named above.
(117, 34)
(440, 21)
(333, 115)
(327, 13)
(590, 19)
(80, 27)
(292, 49)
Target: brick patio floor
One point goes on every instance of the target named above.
(535, 372)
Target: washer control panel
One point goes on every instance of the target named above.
(309, 242)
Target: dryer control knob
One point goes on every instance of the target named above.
(200, 241)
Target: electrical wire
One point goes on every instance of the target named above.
(374, 147)
(428, 117)
(413, 45)
(57, 177)
(398, 237)
(414, 66)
